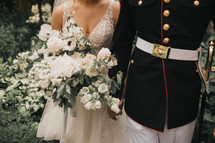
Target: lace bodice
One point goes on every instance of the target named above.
(102, 34)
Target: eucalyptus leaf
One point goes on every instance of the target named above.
(60, 91)
(68, 89)
(119, 78)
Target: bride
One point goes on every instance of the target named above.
(98, 19)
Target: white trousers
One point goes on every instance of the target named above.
(141, 134)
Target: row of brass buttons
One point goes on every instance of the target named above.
(196, 2)
(166, 27)
(166, 13)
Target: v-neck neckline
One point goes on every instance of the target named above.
(87, 36)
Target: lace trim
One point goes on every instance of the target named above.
(102, 34)
(65, 12)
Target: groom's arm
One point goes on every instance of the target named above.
(122, 42)
(213, 17)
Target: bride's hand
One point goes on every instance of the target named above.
(113, 114)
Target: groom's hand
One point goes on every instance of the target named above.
(113, 114)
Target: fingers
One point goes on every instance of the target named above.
(121, 104)
(112, 114)
(120, 113)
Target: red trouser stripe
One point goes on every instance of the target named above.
(163, 64)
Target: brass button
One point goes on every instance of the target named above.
(132, 61)
(166, 40)
(167, 1)
(196, 3)
(166, 27)
(166, 13)
(140, 2)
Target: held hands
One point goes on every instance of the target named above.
(113, 114)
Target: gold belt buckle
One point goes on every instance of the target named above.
(161, 51)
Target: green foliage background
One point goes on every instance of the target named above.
(17, 31)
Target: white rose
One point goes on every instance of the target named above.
(86, 98)
(55, 33)
(103, 88)
(98, 105)
(88, 106)
(44, 32)
(63, 66)
(88, 61)
(103, 54)
(77, 57)
(55, 44)
(115, 108)
(92, 71)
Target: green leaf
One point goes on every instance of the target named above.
(81, 80)
(60, 91)
(87, 79)
(68, 89)
(119, 77)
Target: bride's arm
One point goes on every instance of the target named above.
(57, 18)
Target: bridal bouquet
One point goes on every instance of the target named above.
(68, 67)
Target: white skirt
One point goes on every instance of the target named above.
(90, 126)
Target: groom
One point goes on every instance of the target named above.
(163, 85)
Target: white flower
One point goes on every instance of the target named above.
(71, 45)
(56, 81)
(98, 104)
(55, 33)
(34, 56)
(92, 71)
(24, 54)
(15, 61)
(115, 108)
(44, 32)
(84, 90)
(96, 95)
(44, 84)
(86, 98)
(77, 57)
(23, 66)
(63, 66)
(88, 61)
(55, 44)
(2, 93)
(88, 106)
(112, 62)
(103, 88)
(116, 100)
(103, 54)
(97, 83)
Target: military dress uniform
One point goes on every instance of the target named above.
(162, 88)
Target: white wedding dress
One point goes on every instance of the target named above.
(90, 126)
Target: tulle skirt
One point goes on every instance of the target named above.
(90, 126)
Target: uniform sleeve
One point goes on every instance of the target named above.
(213, 16)
(122, 42)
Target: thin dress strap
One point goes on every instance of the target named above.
(110, 8)
(65, 12)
